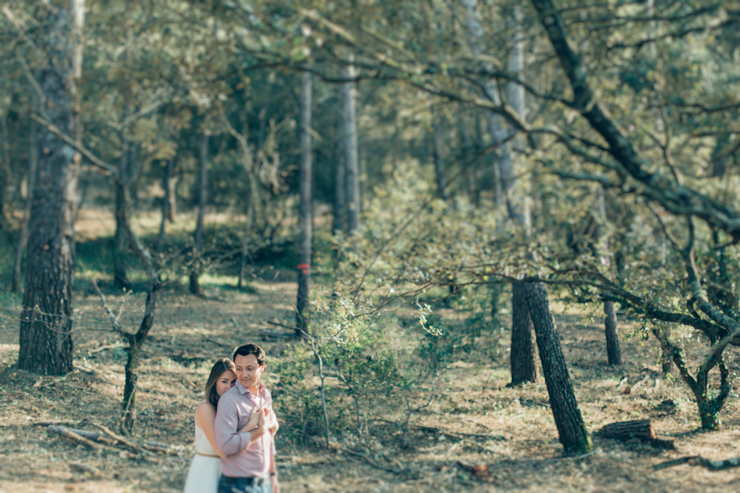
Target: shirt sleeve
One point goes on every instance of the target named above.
(273, 451)
(228, 439)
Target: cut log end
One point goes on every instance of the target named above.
(641, 429)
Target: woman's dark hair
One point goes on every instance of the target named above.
(219, 368)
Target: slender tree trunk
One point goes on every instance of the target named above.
(6, 174)
(33, 160)
(172, 197)
(247, 231)
(340, 180)
(120, 244)
(465, 152)
(613, 353)
(169, 169)
(304, 243)
(439, 165)
(522, 354)
(46, 316)
(203, 197)
(349, 132)
(568, 420)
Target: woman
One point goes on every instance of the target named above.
(205, 469)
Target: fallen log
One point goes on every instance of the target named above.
(698, 460)
(640, 429)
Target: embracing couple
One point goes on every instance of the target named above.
(234, 429)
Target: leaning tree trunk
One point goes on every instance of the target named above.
(349, 131)
(203, 197)
(568, 420)
(522, 353)
(33, 160)
(46, 316)
(120, 243)
(304, 243)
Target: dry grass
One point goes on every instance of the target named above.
(190, 333)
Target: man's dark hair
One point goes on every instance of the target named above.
(248, 349)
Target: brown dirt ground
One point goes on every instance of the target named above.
(190, 333)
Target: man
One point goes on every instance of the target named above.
(249, 465)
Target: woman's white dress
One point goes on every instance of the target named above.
(205, 469)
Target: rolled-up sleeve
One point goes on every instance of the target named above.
(228, 439)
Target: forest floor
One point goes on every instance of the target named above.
(474, 418)
(522, 451)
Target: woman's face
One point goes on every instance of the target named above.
(225, 382)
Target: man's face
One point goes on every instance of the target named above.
(248, 371)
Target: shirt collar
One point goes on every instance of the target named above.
(245, 391)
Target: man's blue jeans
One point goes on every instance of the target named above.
(244, 485)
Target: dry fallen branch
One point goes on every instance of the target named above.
(67, 433)
(124, 441)
(698, 460)
(78, 466)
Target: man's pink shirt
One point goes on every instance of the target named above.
(243, 460)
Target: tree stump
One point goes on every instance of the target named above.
(640, 429)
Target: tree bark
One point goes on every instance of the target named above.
(522, 353)
(641, 429)
(33, 160)
(465, 152)
(613, 354)
(304, 243)
(349, 131)
(169, 169)
(439, 165)
(247, 231)
(203, 197)
(568, 419)
(340, 181)
(120, 244)
(6, 177)
(46, 316)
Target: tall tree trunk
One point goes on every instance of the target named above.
(46, 316)
(172, 197)
(340, 181)
(349, 130)
(439, 165)
(568, 420)
(522, 354)
(613, 353)
(6, 174)
(166, 202)
(465, 152)
(304, 243)
(203, 197)
(247, 231)
(120, 242)
(33, 161)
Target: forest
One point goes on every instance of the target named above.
(486, 245)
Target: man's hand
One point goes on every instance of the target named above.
(275, 484)
(272, 425)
